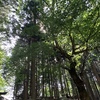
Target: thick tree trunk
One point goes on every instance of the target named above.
(79, 83)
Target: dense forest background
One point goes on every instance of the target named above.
(57, 50)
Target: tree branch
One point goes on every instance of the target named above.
(87, 49)
(63, 52)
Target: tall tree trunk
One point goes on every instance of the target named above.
(57, 90)
(36, 81)
(60, 80)
(79, 83)
(64, 77)
(96, 92)
(88, 86)
(51, 81)
(49, 85)
(26, 80)
(43, 83)
(25, 95)
(68, 90)
(95, 72)
(33, 81)
(33, 70)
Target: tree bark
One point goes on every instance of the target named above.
(79, 83)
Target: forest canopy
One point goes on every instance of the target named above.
(57, 51)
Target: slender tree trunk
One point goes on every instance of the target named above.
(64, 77)
(60, 79)
(51, 81)
(53, 78)
(57, 90)
(25, 95)
(68, 90)
(79, 83)
(46, 95)
(36, 79)
(96, 92)
(43, 84)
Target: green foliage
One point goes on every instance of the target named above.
(61, 20)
